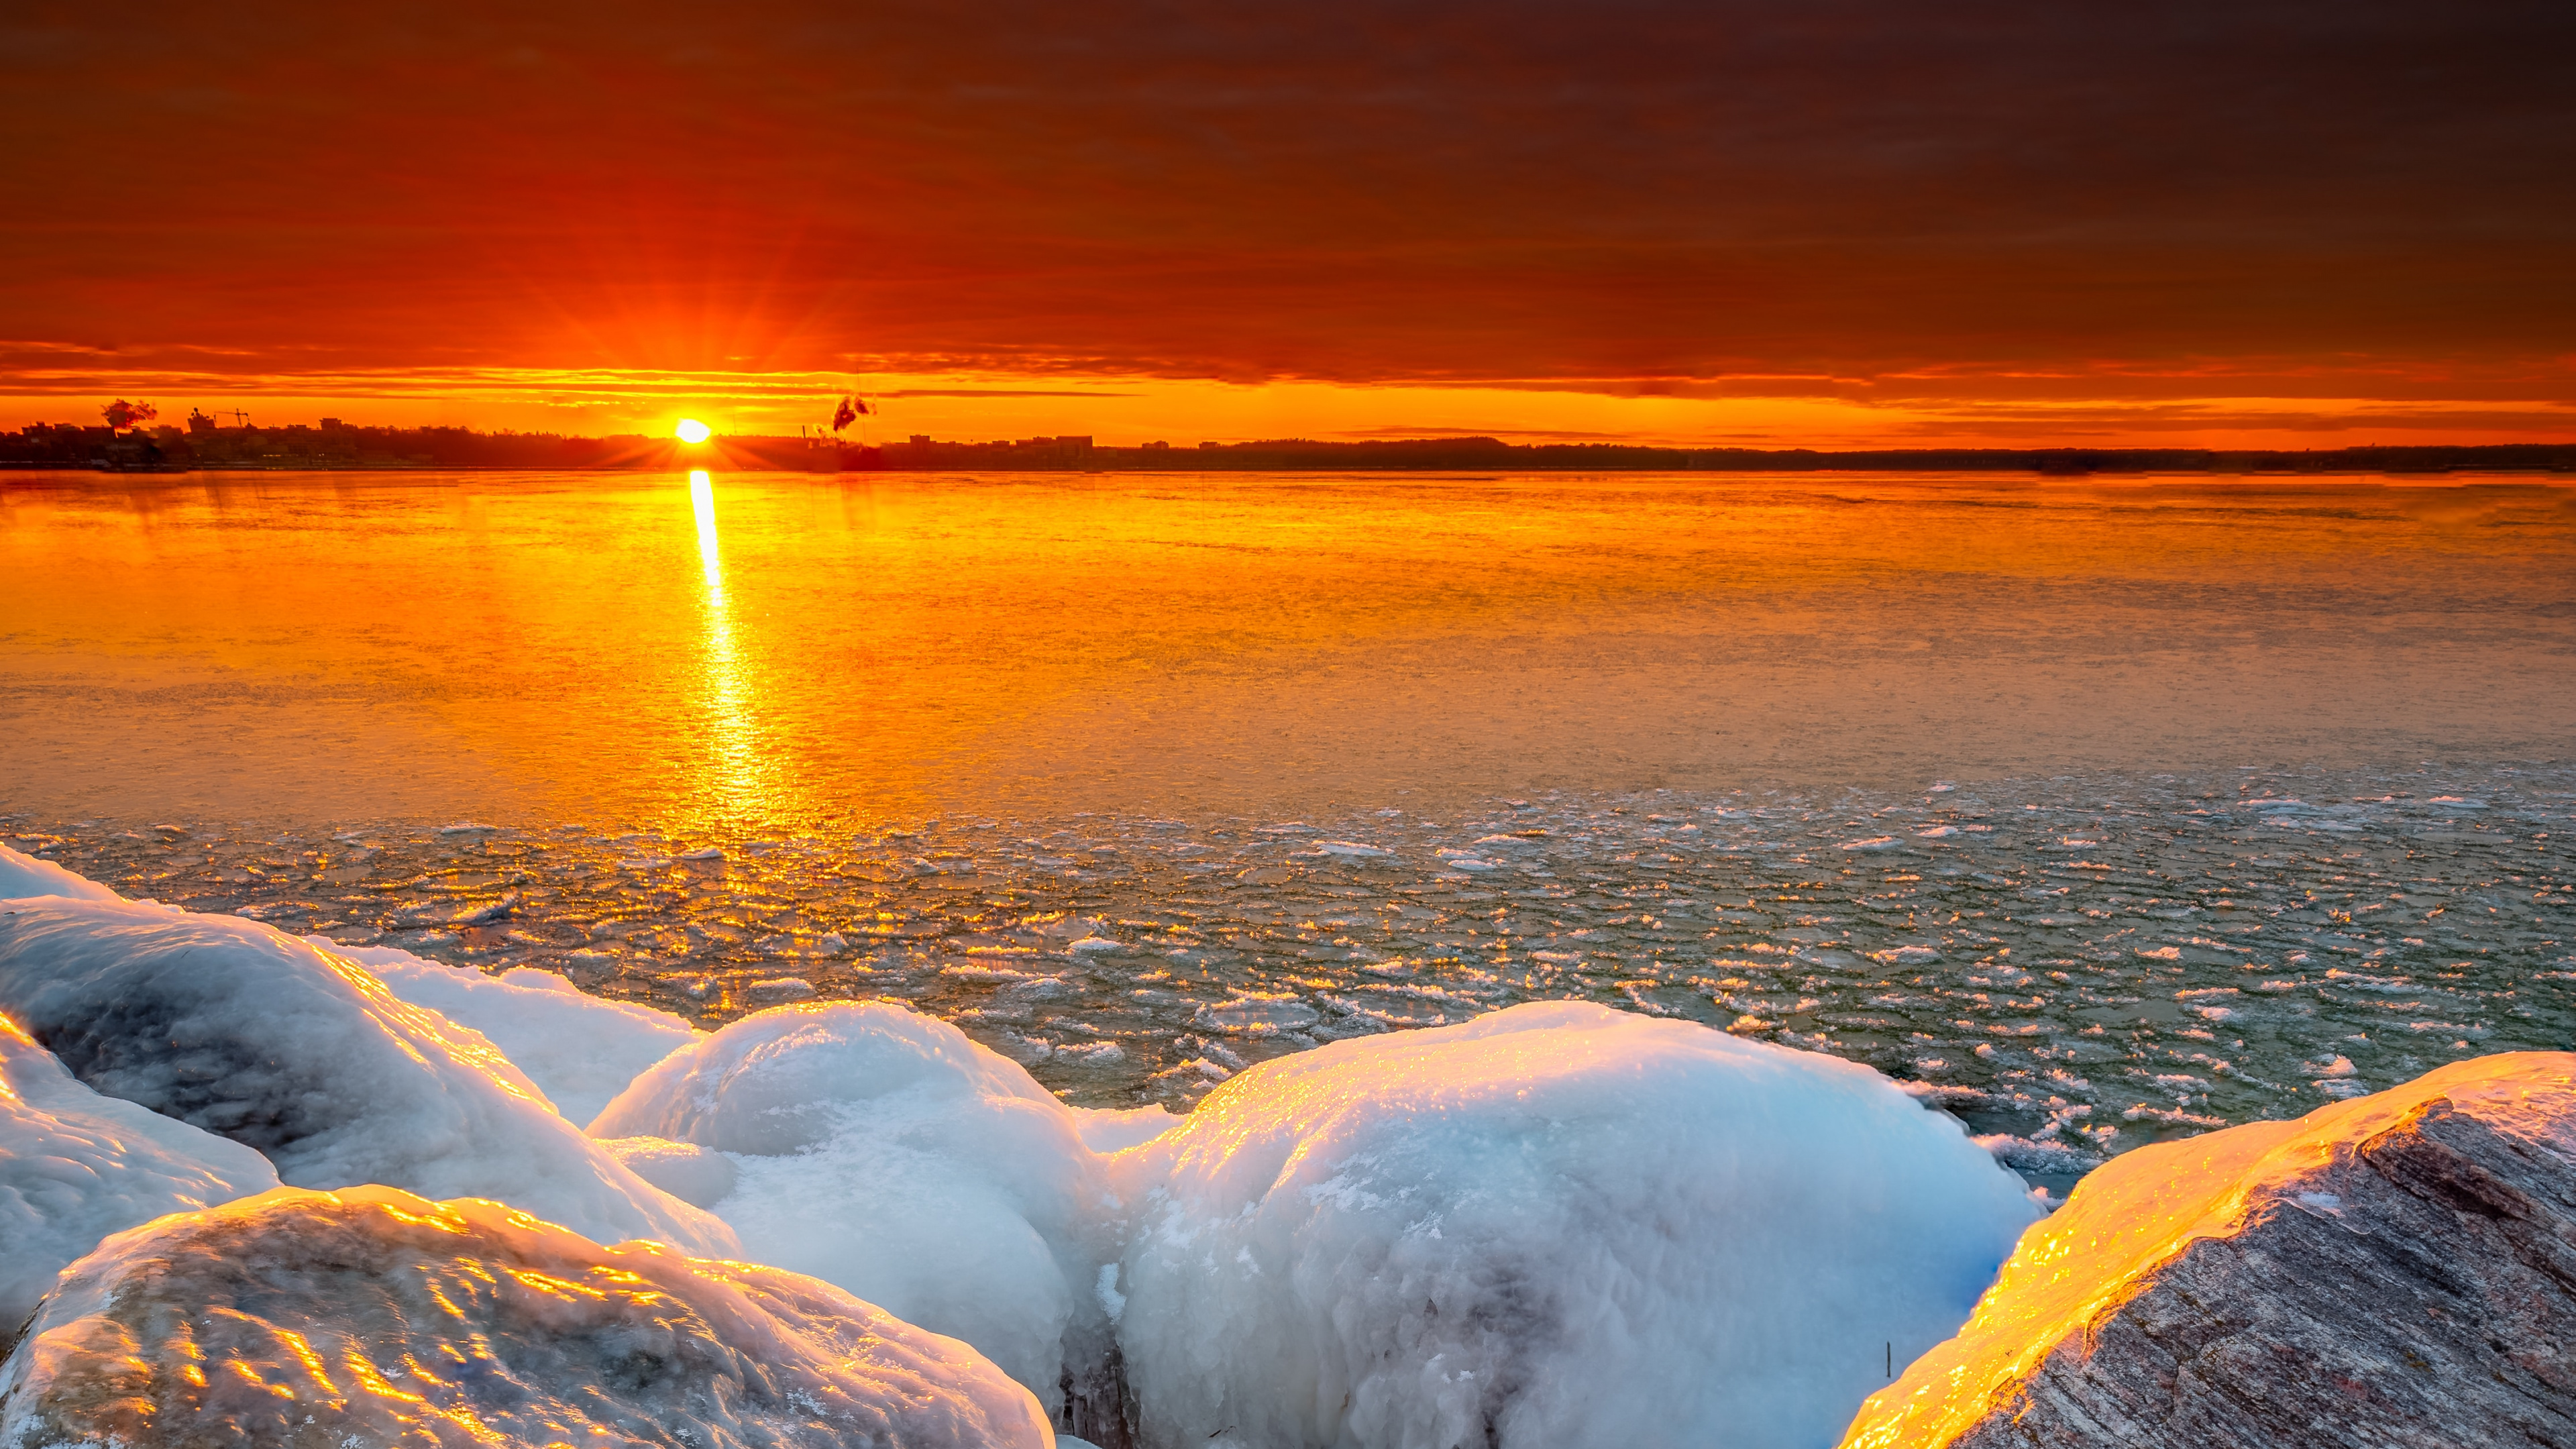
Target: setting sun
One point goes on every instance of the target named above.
(691, 430)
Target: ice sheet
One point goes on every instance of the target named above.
(1559, 1225)
(883, 1151)
(371, 1316)
(581, 1050)
(76, 1166)
(22, 874)
(236, 1028)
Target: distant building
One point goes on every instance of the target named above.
(921, 440)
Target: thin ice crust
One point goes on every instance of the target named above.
(2396, 1270)
(302, 1055)
(370, 1316)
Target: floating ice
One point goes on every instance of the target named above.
(1258, 1013)
(24, 875)
(885, 1152)
(1557, 1225)
(251, 1034)
(579, 1049)
(76, 1166)
(370, 1316)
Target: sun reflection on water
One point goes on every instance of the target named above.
(702, 501)
(736, 783)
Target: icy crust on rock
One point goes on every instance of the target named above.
(1558, 1225)
(698, 1176)
(22, 875)
(886, 1152)
(1115, 1129)
(2055, 1308)
(233, 1027)
(76, 1166)
(580, 1049)
(370, 1316)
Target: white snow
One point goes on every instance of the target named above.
(1112, 1129)
(23, 875)
(885, 1152)
(1557, 1225)
(579, 1049)
(251, 1034)
(76, 1166)
(698, 1176)
(374, 1317)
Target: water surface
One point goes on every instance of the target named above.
(2102, 811)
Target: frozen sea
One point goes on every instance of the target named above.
(2098, 811)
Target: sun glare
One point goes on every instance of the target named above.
(691, 430)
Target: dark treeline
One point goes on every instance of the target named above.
(333, 445)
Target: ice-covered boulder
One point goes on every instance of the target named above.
(580, 1049)
(699, 1176)
(23, 875)
(76, 1166)
(370, 1316)
(1115, 1129)
(253, 1035)
(2397, 1269)
(886, 1152)
(1553, 1227)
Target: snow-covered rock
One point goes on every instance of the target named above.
(581, 1050)
(884, 1151)
(1115, 1129)
(1557, 1225)
(253, 1035)
(23, 875)
(370, 1316)
(76, 1166)
(2397, 1269)
(698, 1176)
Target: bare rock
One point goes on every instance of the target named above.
(2396, 1270)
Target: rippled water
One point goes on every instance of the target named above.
(2100, 814)
(2076, 966)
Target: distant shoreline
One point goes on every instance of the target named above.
(375, 450)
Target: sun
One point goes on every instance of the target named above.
(691, 430)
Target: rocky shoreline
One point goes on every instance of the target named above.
(258, 1190)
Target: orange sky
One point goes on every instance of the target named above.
(1843, 222)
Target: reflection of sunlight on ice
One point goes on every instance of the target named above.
(733, 785)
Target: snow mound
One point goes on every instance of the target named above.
(1557, 1225)
(253, 1035)
(76, 1166)
(22, 875)
(698, 1176)
(374, 1317)
(1115, 1129)
(580, 1050)
(885, 1152)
